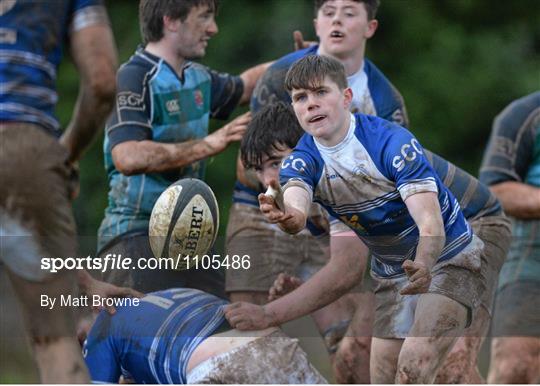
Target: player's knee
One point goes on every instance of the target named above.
(513, 369)
(351, 362)
(415, 365)
(456, 368)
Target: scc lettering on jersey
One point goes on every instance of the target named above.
(297, 164)
(130, 100)
(409, 151)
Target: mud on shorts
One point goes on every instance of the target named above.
(274, 358)
(135, 245)
(459, 278)
(517, 307)
(271, 250)
(36, 222)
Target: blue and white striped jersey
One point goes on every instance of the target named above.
(152, 342)
(32, 34)
(364, 180)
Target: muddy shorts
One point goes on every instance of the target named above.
(135, 245)
(274, 358)
(459, 278)
(271, 250)
(517, 310)
(496, 234)
(37, 221)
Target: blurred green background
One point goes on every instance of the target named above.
(456, 62)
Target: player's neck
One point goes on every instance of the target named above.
(162, 50)
(352, 61)
(337, 136)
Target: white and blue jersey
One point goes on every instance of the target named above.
(152, 342)
(364, 180)
(32, 34)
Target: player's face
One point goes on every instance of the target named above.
(343, 28)
(194, 32)
(323, 111)
(268, 170)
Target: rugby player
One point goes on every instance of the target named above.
(269, 140)
(511, 167)
(343, 28)
(373, 175)
(39, 178)
(158, 132)
(180, 336)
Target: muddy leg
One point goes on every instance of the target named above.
(438, 322)
(515, 360)
(461, 364)
(384, 359)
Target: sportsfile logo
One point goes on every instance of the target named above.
(409, 153)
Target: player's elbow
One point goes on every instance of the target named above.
(103, 88)
(125, 160)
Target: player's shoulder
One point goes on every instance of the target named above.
(378, 135)
(515, 115)
(140, 67)
(379, 85)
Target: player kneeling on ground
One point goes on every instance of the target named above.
(181, 336)
(373, 175)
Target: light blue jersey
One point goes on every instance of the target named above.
(364, 180)
(152, 342)
(154, 103)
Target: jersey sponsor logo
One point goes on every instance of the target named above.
(361, 171)
(409, 152)
(172, 106)
(297, 164)
(352, 222)
(199, 100)
(129, 100)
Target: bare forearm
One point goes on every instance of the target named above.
(326, 286)
(94, 54)
(518, 200)
(137, 157)
(86, 123)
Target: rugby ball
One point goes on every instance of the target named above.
(184, 222)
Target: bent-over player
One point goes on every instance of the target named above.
(181, 336)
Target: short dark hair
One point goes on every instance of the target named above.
(310, 71)
(371, 7)
(272, 128)
(151, 13)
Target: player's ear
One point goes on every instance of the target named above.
(371, 28)
(347, 97)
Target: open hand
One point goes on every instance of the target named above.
(231, 132)
(283, 284)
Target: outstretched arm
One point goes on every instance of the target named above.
(94, 53)
(135, 157)
(339, 275)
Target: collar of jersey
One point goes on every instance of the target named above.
(343, 143)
